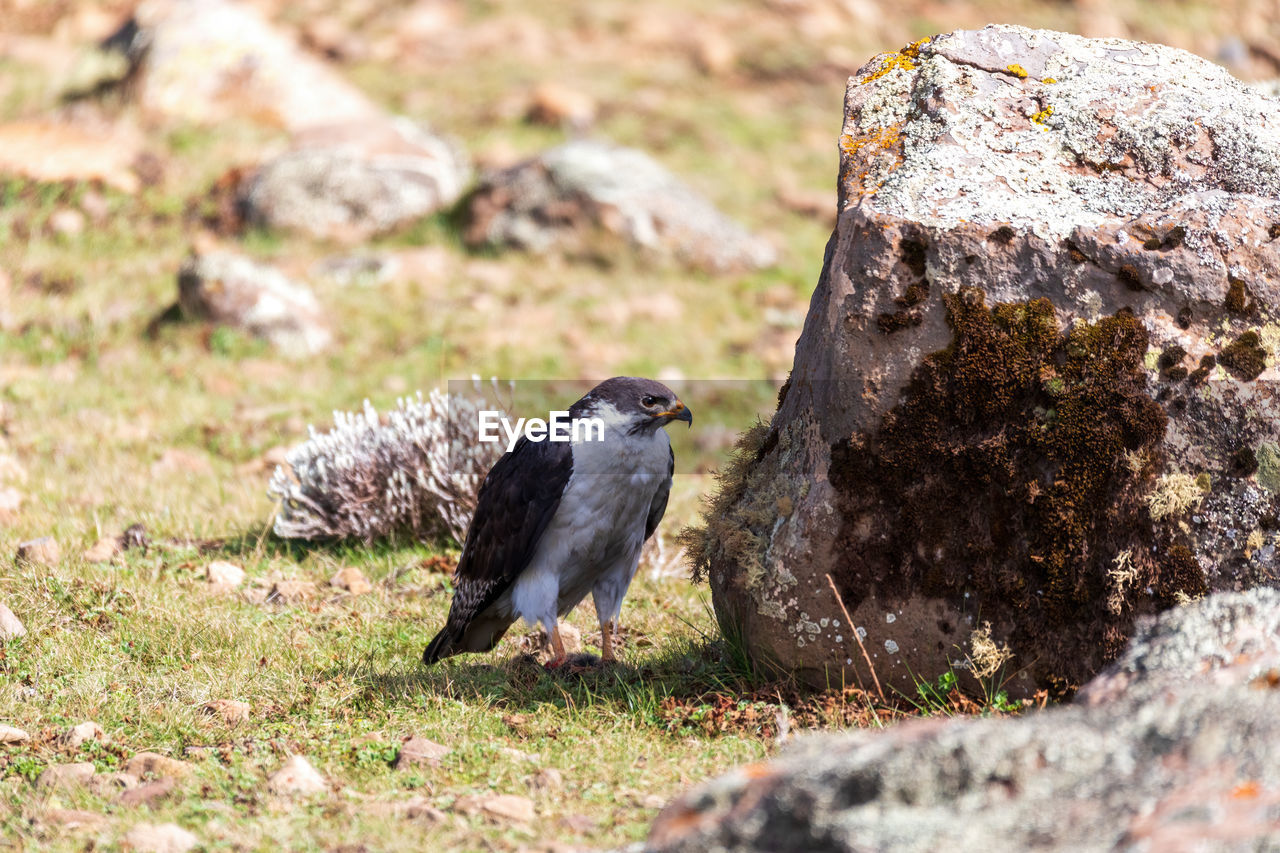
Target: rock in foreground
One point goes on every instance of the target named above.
(1032, 398)
(558, 200)
(1175, 747)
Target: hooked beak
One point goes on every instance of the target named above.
(678, 412)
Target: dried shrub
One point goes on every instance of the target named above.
(412, 473)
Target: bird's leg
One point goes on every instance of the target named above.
(557, 646)
(606, 641)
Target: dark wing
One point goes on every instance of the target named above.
(516, 503)
(658, 506)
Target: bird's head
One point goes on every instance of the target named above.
(641, 405)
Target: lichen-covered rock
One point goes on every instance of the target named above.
(350, 181)
(1175, 747)
(561, 198)
(1034, 385)
(229, 289)
(208, 60)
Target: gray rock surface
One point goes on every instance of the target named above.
(229, 289)
(350, 181)
(1055, 468)
(209, 60)
(352, 170)
(559, 199)
(1175, 747)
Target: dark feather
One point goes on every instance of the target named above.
(516, 503)
(658, 506)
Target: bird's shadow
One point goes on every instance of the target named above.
(520, 683)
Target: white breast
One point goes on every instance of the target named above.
(599, 525)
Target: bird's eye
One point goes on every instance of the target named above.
(648, 401)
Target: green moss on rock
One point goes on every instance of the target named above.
(1006, 473)
(1244, 358)
(1267, 457)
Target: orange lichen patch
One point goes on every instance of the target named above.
(904, 59)
(1245, 791)
(1049, 80)
(1017, 71)
(1042, 116)
(877, 140)
(863, 153)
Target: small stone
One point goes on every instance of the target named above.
(502, 807)
(231, 290)
(151, 763)
(10, 500)
(224, 575)
(420, 809)
(418, 751)
(231, 711)
(653, 801)
(518, 755)
(112, 784)
(571, 637)
(297, 776)
(547, 779)
(148, 794)
(291, 592)
(10, 625)
(577, 824)
(11, 735)
(39, 552)
(352, 580)
(134, 536)
(67, 222)
(95, 206)
(84, 732)
(74, 818)
(159, 838)
(175, 460)
(103, 551)
(539, 642)
(713, 53)
(66, 775)
(556, 105)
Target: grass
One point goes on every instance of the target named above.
(113, 422)
(142, 645)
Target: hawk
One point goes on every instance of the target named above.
(555, 520)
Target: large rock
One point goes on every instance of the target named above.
(1175, 747)
(557, 200)
(229, 289)
(1033, 388)
(209, 60)
(353, 169)
(351, 181)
